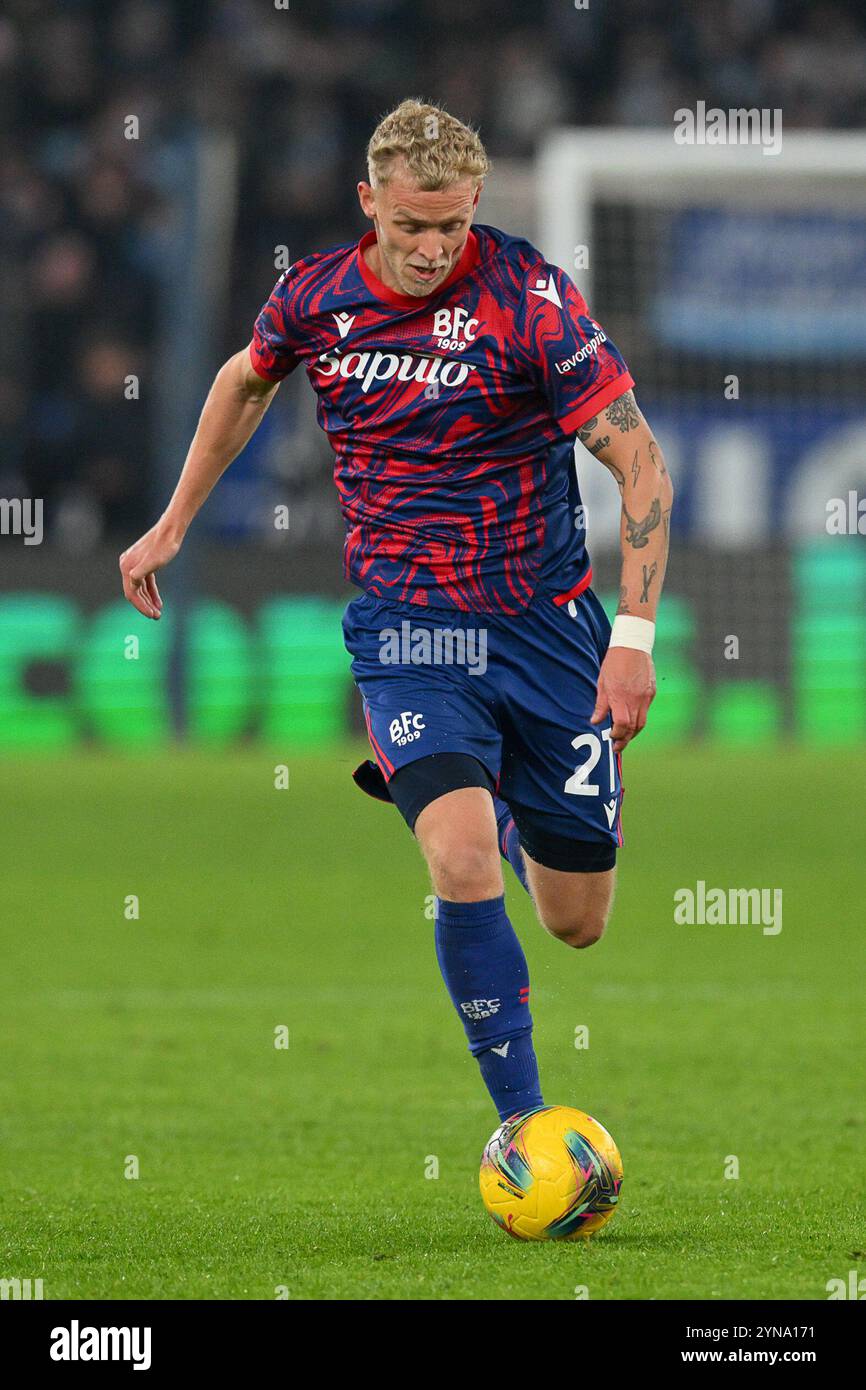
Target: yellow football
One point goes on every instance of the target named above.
(551, 1174)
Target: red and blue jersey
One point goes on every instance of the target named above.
(452, 418)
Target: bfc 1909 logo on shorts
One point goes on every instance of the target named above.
(476, 1009)
(406, 728)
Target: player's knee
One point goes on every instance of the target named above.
(465, 872)
(577, 928)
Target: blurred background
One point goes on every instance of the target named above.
(166, 907)
(161, 162)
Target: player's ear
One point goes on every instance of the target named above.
(367, 199)
(477, 195)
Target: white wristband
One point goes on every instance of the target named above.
(633, 632)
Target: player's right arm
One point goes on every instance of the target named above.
(232, 413)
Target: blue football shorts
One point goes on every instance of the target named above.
(515, 693)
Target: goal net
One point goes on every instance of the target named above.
(734, 282)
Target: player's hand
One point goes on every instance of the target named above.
(626, 689)
(138, 566)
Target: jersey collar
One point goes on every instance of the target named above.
(469, 258)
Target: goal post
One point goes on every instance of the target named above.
(576, 167)
(733, 279)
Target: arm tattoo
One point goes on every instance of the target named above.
(637, 532)
(620, 477)
(635, 468)
(658, 461)
(623, 413)
(648, 577)
(599, 444)
(585, 434)
(623, 599)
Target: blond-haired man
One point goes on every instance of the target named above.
(454, 368)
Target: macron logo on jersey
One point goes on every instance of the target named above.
(546, 289)
(344, 323)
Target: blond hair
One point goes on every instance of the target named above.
(437, 148)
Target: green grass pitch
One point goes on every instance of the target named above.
(304, 1168)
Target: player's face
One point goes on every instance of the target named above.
(419, 235)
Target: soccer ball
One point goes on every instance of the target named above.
(551, 1174)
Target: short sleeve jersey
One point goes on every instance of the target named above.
(452, 417)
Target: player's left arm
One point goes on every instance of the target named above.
(621, 439)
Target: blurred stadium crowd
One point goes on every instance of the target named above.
(82, 220)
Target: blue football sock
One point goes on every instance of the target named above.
(485, 970)
(509, 840)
